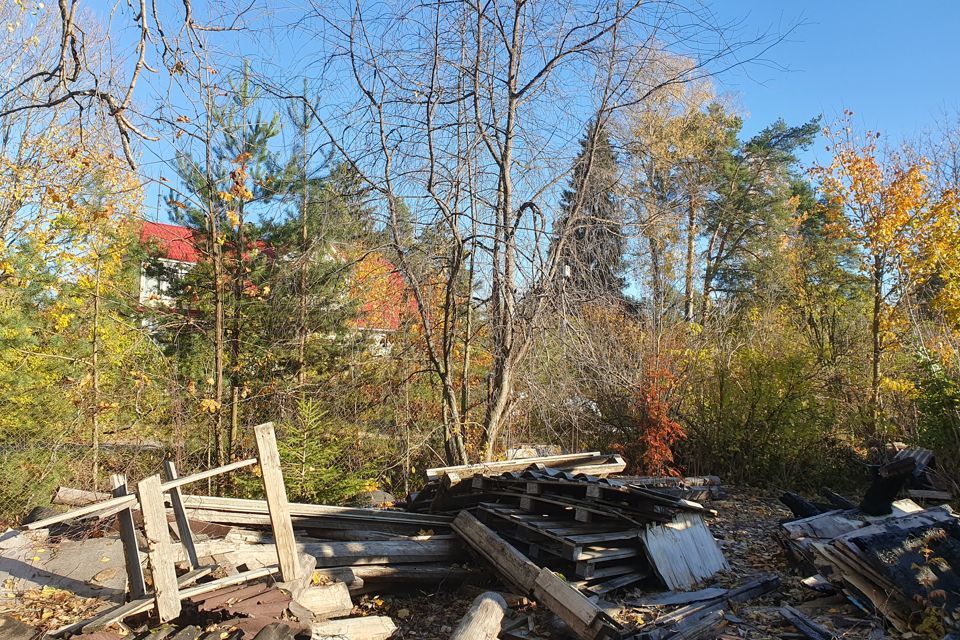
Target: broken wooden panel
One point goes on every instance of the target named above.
(683, 552)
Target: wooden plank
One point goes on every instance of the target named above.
(130, 500)
(136, 586)
(159, 550)
(242, 506)
(276, 493)
(519, 464)
(930, 494)
(558, 596)
(183, 524)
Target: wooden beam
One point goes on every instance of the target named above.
(128, 537)
(583, 616)
(507, 560)
(159, 550)
(122, 501)
(183, 524)
(277, 504)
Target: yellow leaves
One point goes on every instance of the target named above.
(233, 217)
(209, 406)
(226, 196)
(900, 386)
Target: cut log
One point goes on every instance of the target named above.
(483, 619)
(369, 628)
(327, 600)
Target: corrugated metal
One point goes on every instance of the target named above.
(683, 552)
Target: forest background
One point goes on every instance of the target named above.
(431, 234)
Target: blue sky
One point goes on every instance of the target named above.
(895, 64)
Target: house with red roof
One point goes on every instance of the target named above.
(174, 248)
(384, 300)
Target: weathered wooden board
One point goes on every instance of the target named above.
(330, 554)
(159, 551)
(285, 542)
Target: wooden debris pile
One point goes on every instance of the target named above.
(889, 556)
(602, 534)
(700, 613)
(250, 582)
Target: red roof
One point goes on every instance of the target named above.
(171, 241)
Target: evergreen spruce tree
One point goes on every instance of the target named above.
(591, 261)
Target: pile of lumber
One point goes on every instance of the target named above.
(603, 534)
(700, 613)
(902, 564)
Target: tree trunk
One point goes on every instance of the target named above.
(688, 267)
(216, 255)
(95, 375)
(875, 334)
(304, 244)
